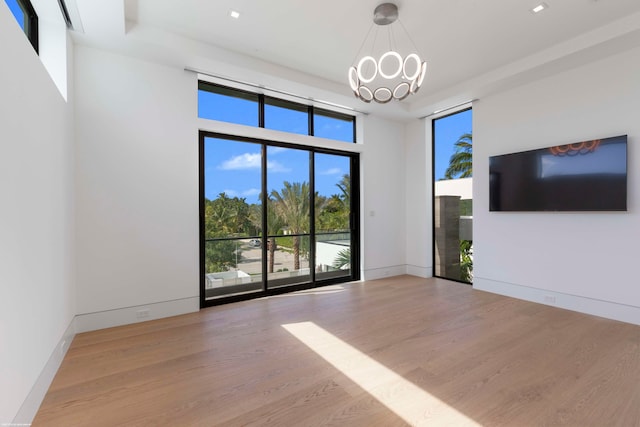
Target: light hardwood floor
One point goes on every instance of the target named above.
(421, 352)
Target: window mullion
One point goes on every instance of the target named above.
(261, 111)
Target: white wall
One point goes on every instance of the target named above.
(52, 46)
(418, 232)
(583, 261)
(137, 189)
(37, 290)
(383, 198)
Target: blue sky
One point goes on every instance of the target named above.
(17, 11)
(447, 131)
(245, 112)
(234, 167)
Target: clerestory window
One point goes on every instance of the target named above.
(27, 18)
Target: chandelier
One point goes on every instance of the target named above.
(384, 75)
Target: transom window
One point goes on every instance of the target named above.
(216, 102)
(26, 17)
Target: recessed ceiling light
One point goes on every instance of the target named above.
(234, 14)
(539, 8)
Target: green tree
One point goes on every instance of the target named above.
(225, 217)
(345, 188)
(291, 203)
(334, 212)
(220, 256)
(466, 260)
(330, 216)
(460, 163)
(274, 224)
(343, 259)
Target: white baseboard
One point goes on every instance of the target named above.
(31, 404)
(595, 307)
(141, 313)
(381, 273)
(90, 322)
(423, 272)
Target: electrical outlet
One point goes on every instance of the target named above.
(549, 299)
(142, 314)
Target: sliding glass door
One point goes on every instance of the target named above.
(231, 209)
(333, 238)
(274, 217)
(289, 200)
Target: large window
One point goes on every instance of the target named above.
(27, 18)
(452, 197)
(274, 217)
(216, 102)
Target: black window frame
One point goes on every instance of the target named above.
(30, 23)
(354, 222)
(287, 105)
(235, 93)
(271, 100)
(333, 115)
(433, 192)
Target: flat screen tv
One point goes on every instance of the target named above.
(583, 176)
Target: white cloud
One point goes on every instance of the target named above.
(251, 161)
(230, 193)
(246, 193)
(276, 150)
(251, 192)
(243, 161)
(276, 167)
(332, 171)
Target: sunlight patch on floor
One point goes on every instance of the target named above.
(405, 399)
(331, 289)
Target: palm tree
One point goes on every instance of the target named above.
(274, 223)
(345, 188)
(343, 259)
(460, 162)
(292, 205)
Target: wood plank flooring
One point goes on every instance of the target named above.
(461, 357)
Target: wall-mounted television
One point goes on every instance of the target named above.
(583, 176)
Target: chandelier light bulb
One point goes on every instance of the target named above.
(360, 69)
(396, 73)
(417, 65)
(353, 79)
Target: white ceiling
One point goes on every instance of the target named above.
(472, 46)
